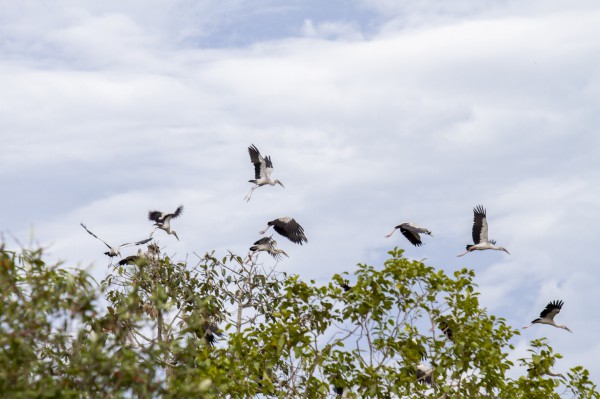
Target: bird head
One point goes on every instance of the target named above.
(280, 183)
(428, 232)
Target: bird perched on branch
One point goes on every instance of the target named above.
(262, 171)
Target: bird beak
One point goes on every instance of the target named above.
(505, 251)
(175, 234)
(281, 184)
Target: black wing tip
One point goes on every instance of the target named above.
(411, 237)
(268, 161)
(178, 211)
(479, 210)
(556, 304)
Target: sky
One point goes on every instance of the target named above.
(374, 112)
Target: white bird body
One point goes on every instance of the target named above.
(411, 231)
(262, 171)
(162, 220)
(269, 245)
(287, 227)
(547, 316)
(115, 251)
(480, 233)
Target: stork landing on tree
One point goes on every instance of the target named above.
(480, 233)
(262, 171)
(269, 245)
(115, 251)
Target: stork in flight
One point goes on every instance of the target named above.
(289, 228)
(480, 233)
(411, 232)
(115, 251)
(162, 220)
(269, 245)
(262, 171)
(547, 315)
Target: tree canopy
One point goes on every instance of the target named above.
(225, 326)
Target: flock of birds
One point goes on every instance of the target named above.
(288, 227)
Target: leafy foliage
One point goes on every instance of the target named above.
(230, 327)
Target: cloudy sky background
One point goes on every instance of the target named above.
(375, 112)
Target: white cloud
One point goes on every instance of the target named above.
(110, 112)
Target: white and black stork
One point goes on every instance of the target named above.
(480, 233)
(269, 245)
(547, 315)
(411, 231)
(162, 220)
(289, 228)
(115, 251)
(262, 171)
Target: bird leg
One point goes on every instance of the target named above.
(264, 231)
(247, 197)
(389, 235)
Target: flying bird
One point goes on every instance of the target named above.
(480, 233)
(115, 251)
(269, 245)
(289, 228)
(262, 171)
(162, 220)
(547, 315)
(411, 231)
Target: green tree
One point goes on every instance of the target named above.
(231, 327)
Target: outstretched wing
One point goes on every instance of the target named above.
(480, 227)
(95, 236)
(143, 241)
(156, 216)
(260, 164)
(551, 310)
(413, 237)
(263, 241)
(291, 229)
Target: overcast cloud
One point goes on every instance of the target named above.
(375, 112)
